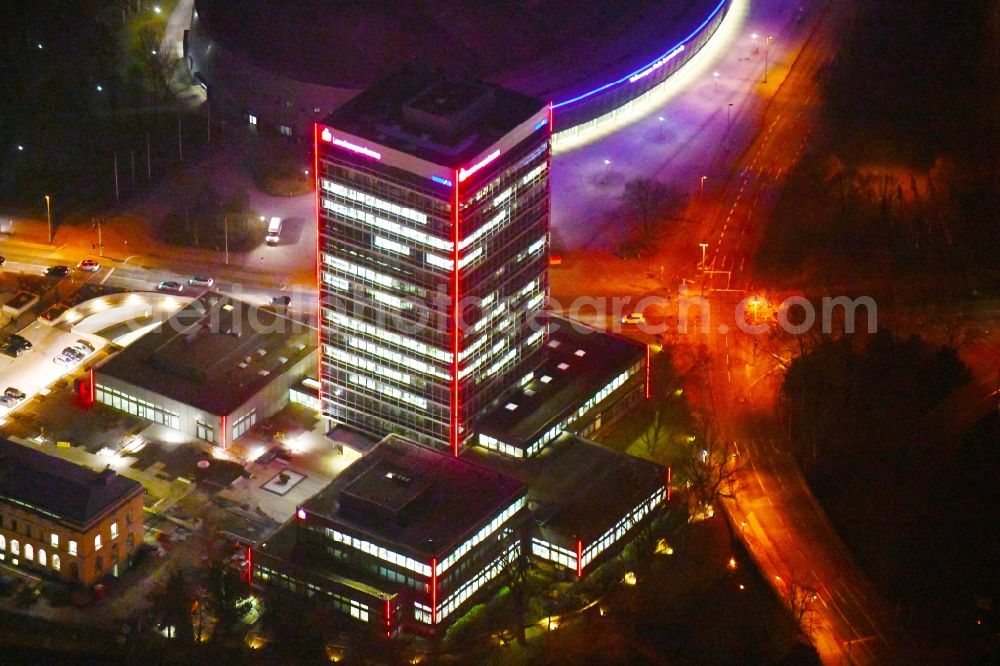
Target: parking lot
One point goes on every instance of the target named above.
(34, 371)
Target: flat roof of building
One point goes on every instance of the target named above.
(578, 488)
(554, 50)
(581, 361)
(58, 489)
(213, 354)
(423, 500)
(441, 119)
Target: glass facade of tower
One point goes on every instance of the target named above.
(400, 252)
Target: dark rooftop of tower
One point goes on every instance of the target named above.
(438, 118)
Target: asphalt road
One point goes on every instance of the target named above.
(29, 259)
(778, 518)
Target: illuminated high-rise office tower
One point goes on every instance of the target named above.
(433, 214)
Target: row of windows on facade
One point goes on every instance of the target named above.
(494, 444)
(421, 612)
(481, 223)
(382, 185)
(147, 410)
(360, 228)
(462, 594)
(355, 609)
(569, 559)
(29, 554)
(395, 220)
(378, 183)
(54, 540)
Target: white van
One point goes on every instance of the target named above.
(273, 231)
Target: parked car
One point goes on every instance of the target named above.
(18, 342)
(15, 393)
(273, 236)
(634, 318)
(7, 401)
(73, 353)
(84, 347)
(13, 350)
(170, 286)
(201, 281)
(281, 300)
(64, 360)
(89, 265)
(57, 271)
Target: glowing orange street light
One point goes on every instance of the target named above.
(767, 43)
(48, 214)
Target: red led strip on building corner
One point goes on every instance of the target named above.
(319, 281)
(434, 590)
(456, 316)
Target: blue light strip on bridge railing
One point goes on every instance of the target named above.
(648, 65)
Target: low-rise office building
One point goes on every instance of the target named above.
(211, 370)
(589, 379)
(63, 520)
(587, 501)
(406, 537)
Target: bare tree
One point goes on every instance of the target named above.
(801, 598)
(712, 464)
(158, 65)
(647, 205)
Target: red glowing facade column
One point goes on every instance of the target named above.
(388, 618)
(668, 483)
(579, 558)
(319, 275)
(434, 590)
(249, 566)
(456, 403)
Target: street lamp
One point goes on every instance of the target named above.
(715, 77)
(767, 42)
(704, 246)
(48, 214)
(703, 184)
